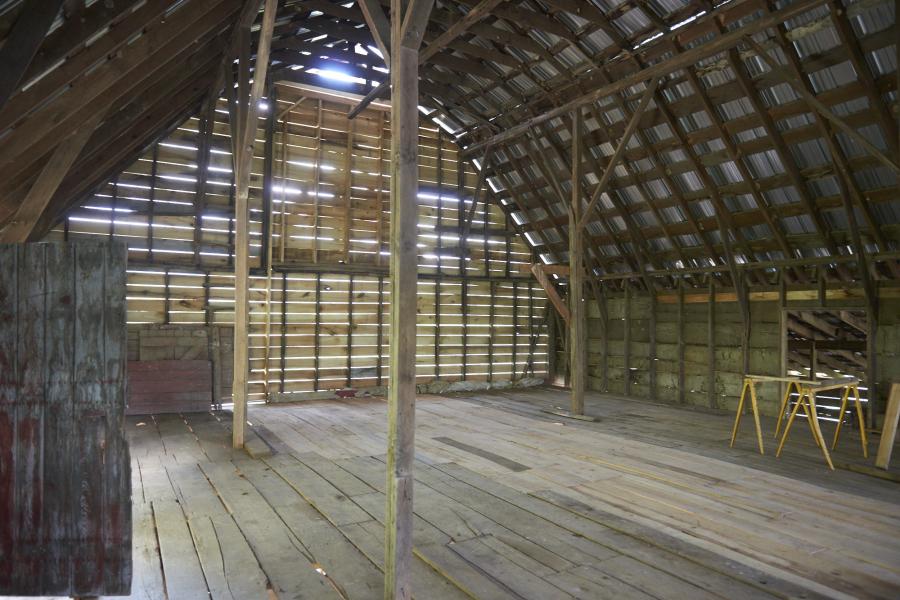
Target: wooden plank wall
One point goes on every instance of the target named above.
(65, 479)
(687, 368)
(329, 193)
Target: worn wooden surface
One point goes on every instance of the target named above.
(65, 509)
(169, 386)
(510, 503)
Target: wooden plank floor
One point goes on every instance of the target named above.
(510, 502)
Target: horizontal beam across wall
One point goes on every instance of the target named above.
(797, 293)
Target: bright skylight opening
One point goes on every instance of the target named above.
(337, 76)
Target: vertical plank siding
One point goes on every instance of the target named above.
(324, 251)
(65, 479)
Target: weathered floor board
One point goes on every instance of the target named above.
(510, 503)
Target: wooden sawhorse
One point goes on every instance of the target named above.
(807, 399)
(749, 386)
(750, 382)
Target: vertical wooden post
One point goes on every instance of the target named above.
(782, 332)
(348, 189)
(681, 370)
(317, 168)
(492, 287)
(747, 321)
(578, 321)
(551, 346)
(626, 359)
(813, 360)
(246, 136)
(151, 201)
(407, 31)
(267, 227)
(205, 133)
(873, 400)
(282, 207)
(711, 342)
(283, 359)
(515, 326)
(652, 357)
(379, 202)
(317, 329)
(604, 315)
(350, 332)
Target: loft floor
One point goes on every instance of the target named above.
(511, 502)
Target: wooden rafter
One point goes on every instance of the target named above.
(482, 10)
(820, 107)
(620, 149)
(679, 61)
(20, 228)
(23, 42)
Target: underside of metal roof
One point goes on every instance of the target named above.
(753, 133)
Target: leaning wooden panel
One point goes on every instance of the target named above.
(65, 476)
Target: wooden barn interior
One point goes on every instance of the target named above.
(449, 299)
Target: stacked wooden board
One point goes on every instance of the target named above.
(169, 386)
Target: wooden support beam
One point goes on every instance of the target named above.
(205, 133)
(554, 269)
(872, 393)
(681, 343)
(76, 64)
(889, 433)
(743, 298)
(35, 203)
(600, 297)
(476, 14)
(552, 295)
(660, 69)
(626, 342)
(819, 106)
(711, 344)
(782, 330)
(268, 214)
(169, 43)
(23, 42)
(850, 319)
(652, 346)
(81, 23)
(347, 192)
(379, 26)
(470, 215)
(620, 150)
(247, 124)
(121, 141)
(578, 323)
(406, 37)
(552, 319)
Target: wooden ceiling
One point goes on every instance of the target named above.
(735, 162)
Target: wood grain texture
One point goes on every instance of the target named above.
(889, 433)
(64, 461)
